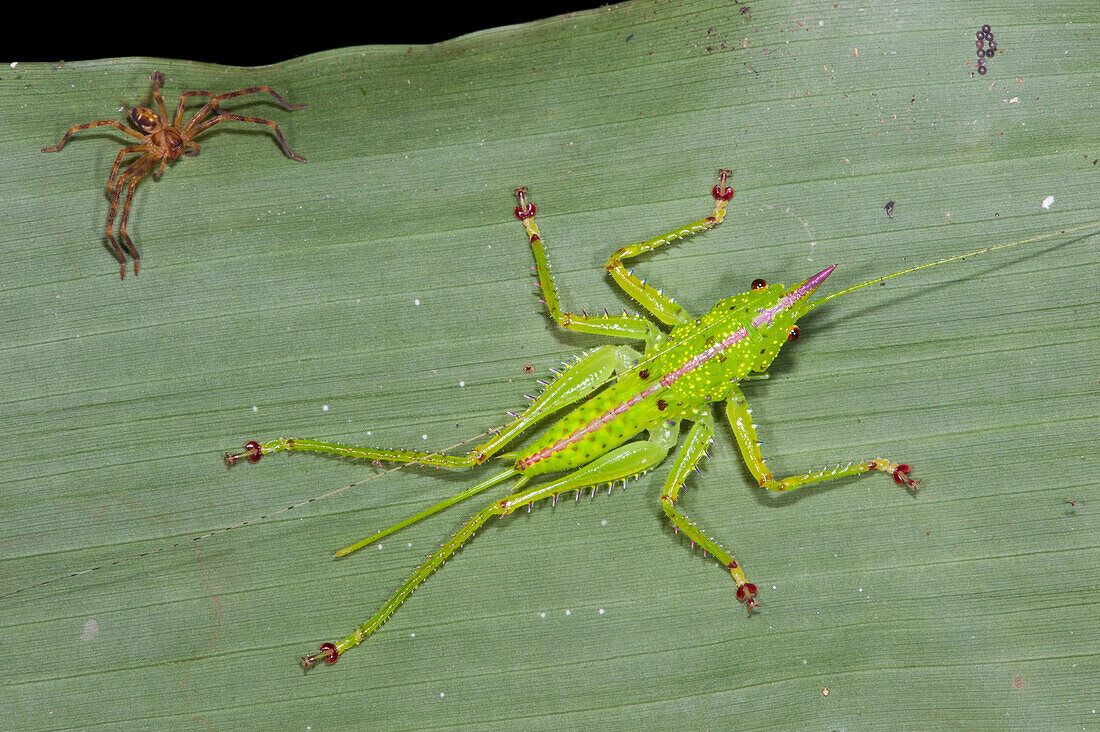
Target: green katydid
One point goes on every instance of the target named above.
(617, 393)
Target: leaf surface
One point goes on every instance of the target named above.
(380, 294)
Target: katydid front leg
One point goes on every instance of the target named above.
(653, 300)
(740, 419)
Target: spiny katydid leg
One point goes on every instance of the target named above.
(621, 326)
(740, 419)
(627, 460)
(692, 451)
(663, 307)
(589, 373)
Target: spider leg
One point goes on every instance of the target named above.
(238, 118)
(213, 103)
(126, 241)
(136, 171)
(160, 170)
(158, 79)
(192, 153)
(118, 162)
(88, 126)
(114, 190)
(183, 102)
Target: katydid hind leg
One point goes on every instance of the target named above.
(577, 381)
(625, 461)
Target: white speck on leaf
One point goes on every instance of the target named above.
(1048, 201)
(91, 629)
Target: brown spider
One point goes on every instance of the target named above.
(162, 142)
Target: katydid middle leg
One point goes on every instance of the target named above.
(694, 448)
(634, 327)
(653, 300)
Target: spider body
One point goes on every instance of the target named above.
(162, 142)
(162, 137)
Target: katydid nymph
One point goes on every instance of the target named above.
(616, 394)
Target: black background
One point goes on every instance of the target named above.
(252, 35)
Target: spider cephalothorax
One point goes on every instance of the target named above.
(160, 143)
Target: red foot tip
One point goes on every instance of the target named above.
(328, 652)
(901, 476)
(746, 594)
(721, 191)
(252, 451)
(525, 209)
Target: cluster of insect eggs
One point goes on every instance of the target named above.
(982, 38)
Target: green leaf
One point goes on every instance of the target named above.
(381, 294)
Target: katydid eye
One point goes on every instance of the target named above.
(793, 333)
(759, 284)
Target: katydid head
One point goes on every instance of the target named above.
(778, 312)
